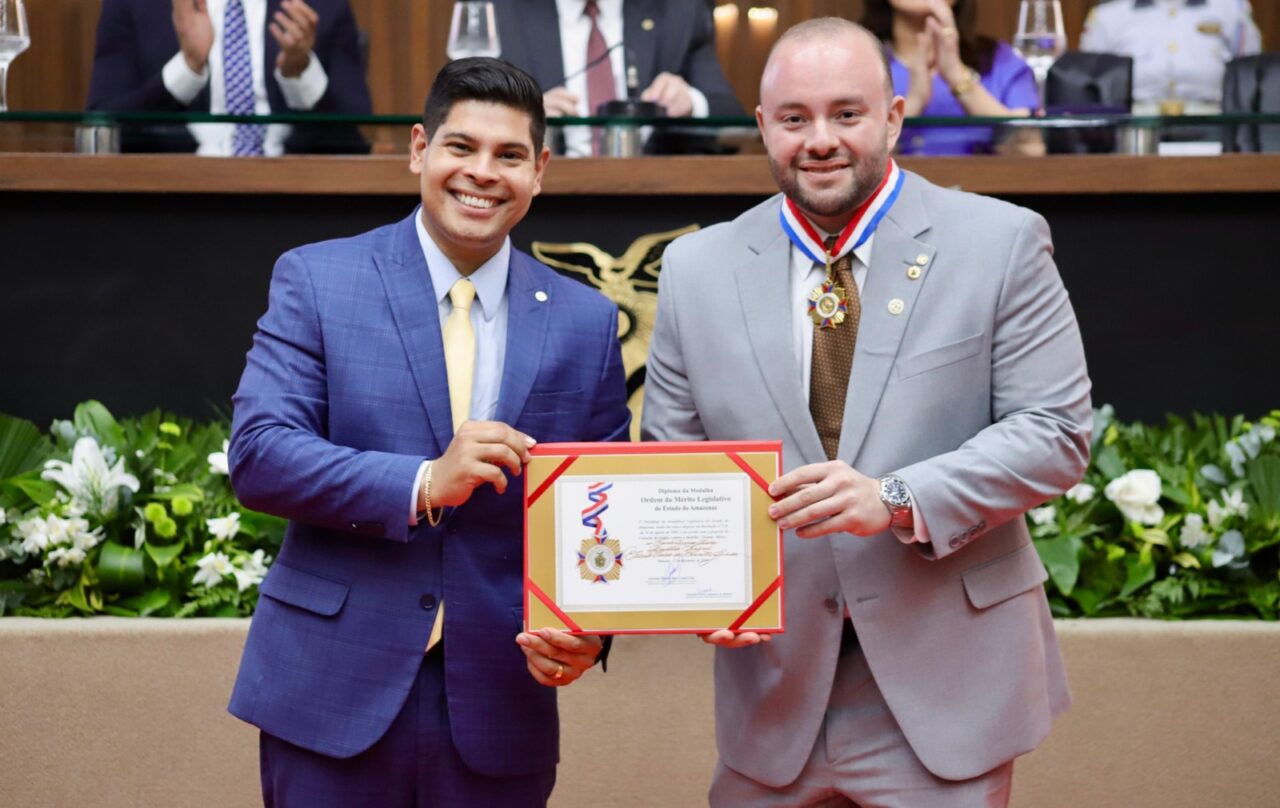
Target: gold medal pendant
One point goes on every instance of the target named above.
(828, 305)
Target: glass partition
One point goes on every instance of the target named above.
(105, 133)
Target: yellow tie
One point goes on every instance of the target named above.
(459, 362)
(460, 350)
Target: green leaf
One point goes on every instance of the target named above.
(22, 447)
(1187, 560)
(1141, 571)
(147, 602)
(163, 554)
(117, 611)
(120, 568)
(41, 492)
(1061, 557)
(1264, 480)
(1108, 462)
(93, 418)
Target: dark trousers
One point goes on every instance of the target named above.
(414, 765)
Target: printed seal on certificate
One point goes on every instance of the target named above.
(679, 538)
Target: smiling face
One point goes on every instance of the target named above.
(828, 123)
(478, 174)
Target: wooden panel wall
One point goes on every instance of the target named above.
(407, 39)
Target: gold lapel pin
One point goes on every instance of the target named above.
(647, 24)
(913, 272)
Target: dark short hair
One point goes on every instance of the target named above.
(480, 78)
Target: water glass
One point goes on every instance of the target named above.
(473, 32)
(14, 39)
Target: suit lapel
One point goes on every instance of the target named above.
(641, 46)
(536, 34)
(763, 280)
(416, 313)
(880, 331)
(526, 332)
(275, 97)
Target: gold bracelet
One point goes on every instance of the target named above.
(960, 88)
(432, 518)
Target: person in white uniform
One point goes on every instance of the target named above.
(1180, 48)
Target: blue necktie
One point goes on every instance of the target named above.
(237, 70)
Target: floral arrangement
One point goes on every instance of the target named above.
(137, 517)
(1173, 521)
(133, 517)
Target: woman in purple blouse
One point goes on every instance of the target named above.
(943, 67)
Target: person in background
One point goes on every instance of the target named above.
(241, 57)
(579, 52)
(944, 67)
(1180, 48)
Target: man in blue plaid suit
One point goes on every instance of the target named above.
(405, 529)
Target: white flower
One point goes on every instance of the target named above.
(1081, 493)
(218, 460)
(1193, 532)
(1043, 516)
(226, 527)
(34, 533)
(2, 516)
(253, 571)
(94, 487)
(67, 556)
(1136, 495)
(1233, 504)
(211, 568)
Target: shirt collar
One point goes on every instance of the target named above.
(802, 265)
(573, 9)
(490, 279)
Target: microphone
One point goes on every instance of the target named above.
(592, 63)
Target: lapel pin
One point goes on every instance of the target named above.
(922, 259)
(540, 296)
(913, 272)
(896, 306)
(647, 24)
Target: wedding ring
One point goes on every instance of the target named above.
(559, 672)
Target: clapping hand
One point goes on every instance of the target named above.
(672, 92)
(195, 32)
(294, 29)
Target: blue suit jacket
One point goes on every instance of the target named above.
(135, 40)
(343, 396)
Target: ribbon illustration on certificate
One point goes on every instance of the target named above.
(685, 550)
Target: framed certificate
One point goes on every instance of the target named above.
(652, 538)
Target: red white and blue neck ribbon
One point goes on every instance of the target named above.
(591, 515)
(864, 222)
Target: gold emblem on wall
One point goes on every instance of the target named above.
(629, 280)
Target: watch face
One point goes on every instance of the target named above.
(894, 492)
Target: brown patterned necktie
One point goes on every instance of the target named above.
(833, 359)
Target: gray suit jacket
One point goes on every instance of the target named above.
(976, 394)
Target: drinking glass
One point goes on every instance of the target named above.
(1040, 39)
(14, 39)
(472, 32)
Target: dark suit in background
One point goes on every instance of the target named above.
(136, 39)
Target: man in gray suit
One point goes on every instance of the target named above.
(929, 388)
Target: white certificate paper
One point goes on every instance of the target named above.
(653, 543)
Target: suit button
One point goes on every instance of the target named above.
(830, 605)
(427, 602)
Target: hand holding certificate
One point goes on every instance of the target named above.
(652, 538)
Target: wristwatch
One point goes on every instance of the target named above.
(897, 498)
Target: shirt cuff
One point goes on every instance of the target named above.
(918, 532)
(305, 91)
(181, 81)
(414, 516)
(700, 106)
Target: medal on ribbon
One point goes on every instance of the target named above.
(829, 303)
(599, 557)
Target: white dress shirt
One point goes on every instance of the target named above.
(488, 321)
(575, 30)
(806, 274)
(300, 94)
